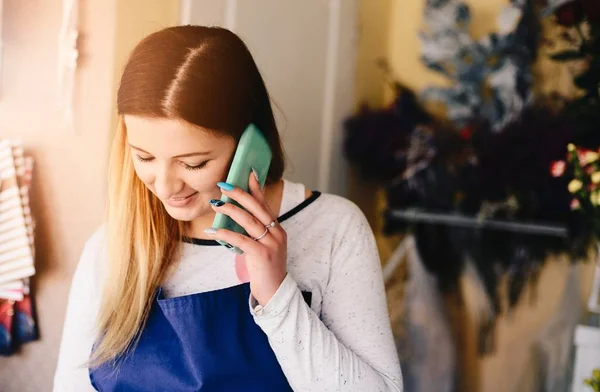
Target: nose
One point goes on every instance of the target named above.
(166, 183)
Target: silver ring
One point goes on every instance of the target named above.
(272, 224)
(262, 235)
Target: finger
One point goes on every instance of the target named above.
(277, 230)
(246, 244)
(259, 195)
(256, 190)
(249, 202)
(252, 225)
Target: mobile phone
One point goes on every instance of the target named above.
(252, 152)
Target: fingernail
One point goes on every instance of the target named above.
(255, 175)
(210, 230)
(225, 186)
(216, 202)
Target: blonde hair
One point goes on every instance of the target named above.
(202, 75)
(142, 239)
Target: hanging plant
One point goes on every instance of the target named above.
(491, 77)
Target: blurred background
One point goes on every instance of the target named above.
(467, 132)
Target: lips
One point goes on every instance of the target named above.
(180, 201)
(181, 198)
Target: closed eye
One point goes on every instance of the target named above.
(142, 159)
(197, 167)
(186, 166)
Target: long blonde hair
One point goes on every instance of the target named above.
(207, 77)
(141, 239)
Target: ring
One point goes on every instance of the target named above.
(262, 235)
(272, 224)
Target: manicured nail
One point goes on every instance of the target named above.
(216, 202)
(225, 186)
(210, 230)
(255, 175)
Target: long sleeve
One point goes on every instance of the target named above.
(79, 327)
(350, 348)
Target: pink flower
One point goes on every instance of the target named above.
(557, 168)
(575, 204)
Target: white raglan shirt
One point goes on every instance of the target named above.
(341, 342)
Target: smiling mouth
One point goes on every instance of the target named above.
(181, 198)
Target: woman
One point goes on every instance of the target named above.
(157, 305)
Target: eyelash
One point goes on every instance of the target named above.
(139, 158)
(200, 166)
(186, 167)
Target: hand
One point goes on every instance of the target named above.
(265, 258)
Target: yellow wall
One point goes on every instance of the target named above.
(374, 27)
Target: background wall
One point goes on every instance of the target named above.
(68, 189)
(69, 177)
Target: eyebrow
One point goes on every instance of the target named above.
(187, 155)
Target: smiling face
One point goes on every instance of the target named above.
(179, 162)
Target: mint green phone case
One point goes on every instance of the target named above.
(252, 152)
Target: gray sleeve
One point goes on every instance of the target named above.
(350, 348)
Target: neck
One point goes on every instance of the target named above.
(273, 196)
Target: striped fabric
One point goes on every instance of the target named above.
(16, 223)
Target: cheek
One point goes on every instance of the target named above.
(144, 173)
(205, 180)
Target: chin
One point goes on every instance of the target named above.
(185, 214)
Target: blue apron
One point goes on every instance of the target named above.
(205, 342)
